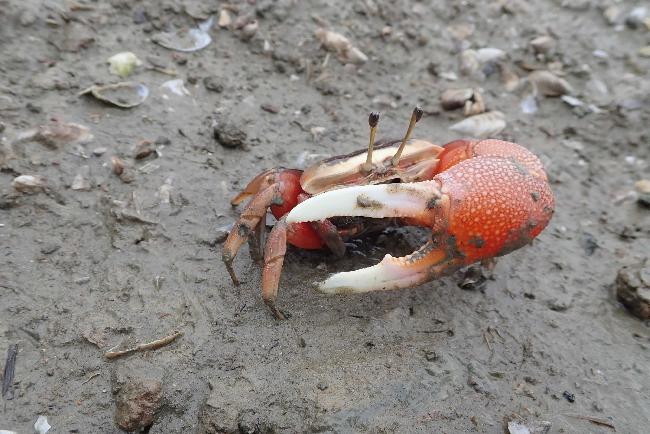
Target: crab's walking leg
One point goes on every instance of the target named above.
(276, 247)
(255, 242)
(330, 236)
(248, 221)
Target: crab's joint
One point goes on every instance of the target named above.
(415, 117)
(373, 120)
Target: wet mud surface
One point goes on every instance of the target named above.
(93, 260)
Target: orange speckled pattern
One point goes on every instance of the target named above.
(498, 204)
(500, 148)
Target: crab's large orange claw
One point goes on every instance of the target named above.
(479, 208)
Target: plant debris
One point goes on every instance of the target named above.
(153, 345)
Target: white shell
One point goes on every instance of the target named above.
(347, 53)
(186, 40)
(548, 84)
(481, 126)
(486, 55)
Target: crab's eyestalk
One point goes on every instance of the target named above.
(415, 117)
(373, 120)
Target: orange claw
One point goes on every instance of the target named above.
(492, 197)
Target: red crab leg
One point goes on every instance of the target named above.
(276, 247)
(250, 218)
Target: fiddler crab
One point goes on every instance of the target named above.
(481, 199)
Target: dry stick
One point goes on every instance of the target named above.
(91, 377)
(596, 420)
(153, 345)
(8, 375)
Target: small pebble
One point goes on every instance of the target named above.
(143, 149)
(569, 396)
(99, 151)
(271, 108)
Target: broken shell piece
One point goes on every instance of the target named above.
(643, 186)
(224, 19)
(123, 64)
(81, 182)
(347, 53)
(28, 183)
(548, 84)
(186, 40)
(509, 79)
(41, 426)
(143, 149)
(125, 95)
(55, 134)
(118, 165)
(453, 99)
(249, 30)
(542, 44)
(529, 104)
(489, 54)
(468, 62)
(470, 99)
(572, 101)
(176, 86)
(481, 126)
(317, 132)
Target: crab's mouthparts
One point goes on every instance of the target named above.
(377, 201)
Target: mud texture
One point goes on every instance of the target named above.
(120, 261)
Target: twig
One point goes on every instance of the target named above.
(153, 345)
(8, 375)
(90, 378)
(596, 420)
(487, 340)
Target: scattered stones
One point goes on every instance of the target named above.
(213, 84)
(98, 152)
(136, 404)
(469, 99)
(536, 427)
(542, 44)
(29, 184)
(632, 287)
(569, 396)
(642, 187)
(271, 108)
(144, 149)
(80, 181)
(346, 52)
(249, 30)
(228, 134)
(224, 20)
(548, 84)
(481, 126)
(55, 135)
